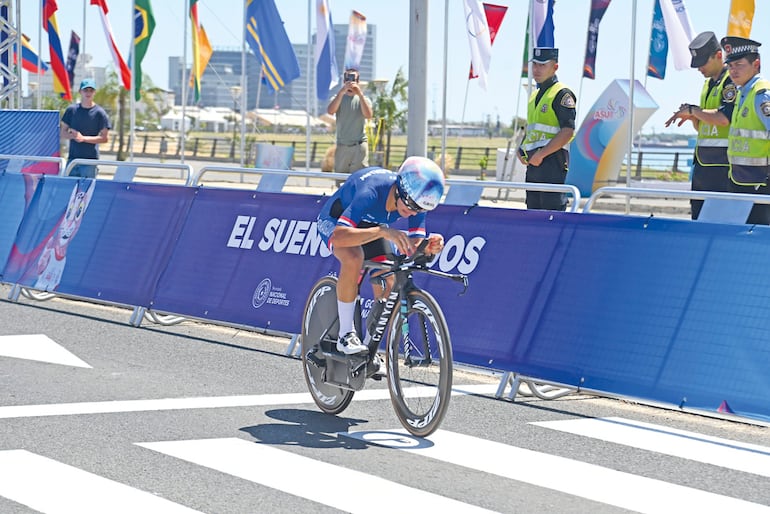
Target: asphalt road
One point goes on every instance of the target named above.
(197, 417)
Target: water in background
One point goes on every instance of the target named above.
(663, 158)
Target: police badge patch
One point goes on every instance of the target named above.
(568, 101)
(765, 108)
(728, 93)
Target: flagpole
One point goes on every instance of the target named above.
(307, 89)
(40, 55)
(85, 2)
(18, 56)
(184, 83)
(244, 85)
(443, 101)
(132, 93)
(631, 103)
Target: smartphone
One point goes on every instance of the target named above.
(350, 77)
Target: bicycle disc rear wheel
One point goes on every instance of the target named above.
(320, 325)
(420, 364)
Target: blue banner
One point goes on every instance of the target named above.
(246, 258)
(656, 65)
(30, 133)
(672, 311)
(112, 245)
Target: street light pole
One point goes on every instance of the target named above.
(236, 92)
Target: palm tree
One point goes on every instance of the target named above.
(389, 107)
(113, 97)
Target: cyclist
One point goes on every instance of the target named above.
(354, 224)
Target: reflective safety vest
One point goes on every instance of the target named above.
(711, 148)
(542, 123)
(749, 150)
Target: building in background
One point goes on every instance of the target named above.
(44, 81)
(222, 76)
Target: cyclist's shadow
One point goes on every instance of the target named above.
(307, 428)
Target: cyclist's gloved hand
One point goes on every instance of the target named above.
(435, 244)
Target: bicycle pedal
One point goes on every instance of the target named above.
(314, 360)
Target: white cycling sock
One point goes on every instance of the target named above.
(346, 311)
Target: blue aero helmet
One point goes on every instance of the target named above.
(420, 184)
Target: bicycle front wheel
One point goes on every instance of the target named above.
(320, 328)
(419, 364)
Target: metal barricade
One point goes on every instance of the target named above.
(186, 171)
(60, 161)
(727, 207)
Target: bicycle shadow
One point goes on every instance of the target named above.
(307, 428)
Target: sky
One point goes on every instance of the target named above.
(465, 100)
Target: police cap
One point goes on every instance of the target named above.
(739, 47)
(702, 48)
(543, 55)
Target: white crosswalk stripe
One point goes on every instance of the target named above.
(749, 458)
(52, 487)
(585, 480)
(278, 469)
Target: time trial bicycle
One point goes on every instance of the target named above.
(418, 348)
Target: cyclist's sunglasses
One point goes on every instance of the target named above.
(410, 204)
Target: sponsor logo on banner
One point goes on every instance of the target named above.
(266, 293)
(613, 111)
(301, 237)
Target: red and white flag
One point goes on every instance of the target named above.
(479, 39)
(120, 63)
(495, 15)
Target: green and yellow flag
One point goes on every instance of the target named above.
(144, 25)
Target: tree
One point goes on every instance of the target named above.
(115, 100)
(389, 108)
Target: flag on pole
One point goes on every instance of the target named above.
(268, 40)
(741, 17)
(542, 24)
(204, 50)
(60, 78)
(656, 63)
(120, 63)
(479, 39)
(540, 30)
(354, 49)
(30, 60)
(598, 7)
(679, 32)
(72, 57)
(197, 68)
(495, 15)
(327, 74)
(144, 25)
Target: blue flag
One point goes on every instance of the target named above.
(268, 40)
(327, 74)
(656, 65)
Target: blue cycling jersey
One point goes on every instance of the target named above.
(362, 198)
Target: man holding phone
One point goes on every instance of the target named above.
(352, 109)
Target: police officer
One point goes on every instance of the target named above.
(550, 128)
(711, 118)
(749, 136)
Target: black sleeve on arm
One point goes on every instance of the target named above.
(564, 107)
